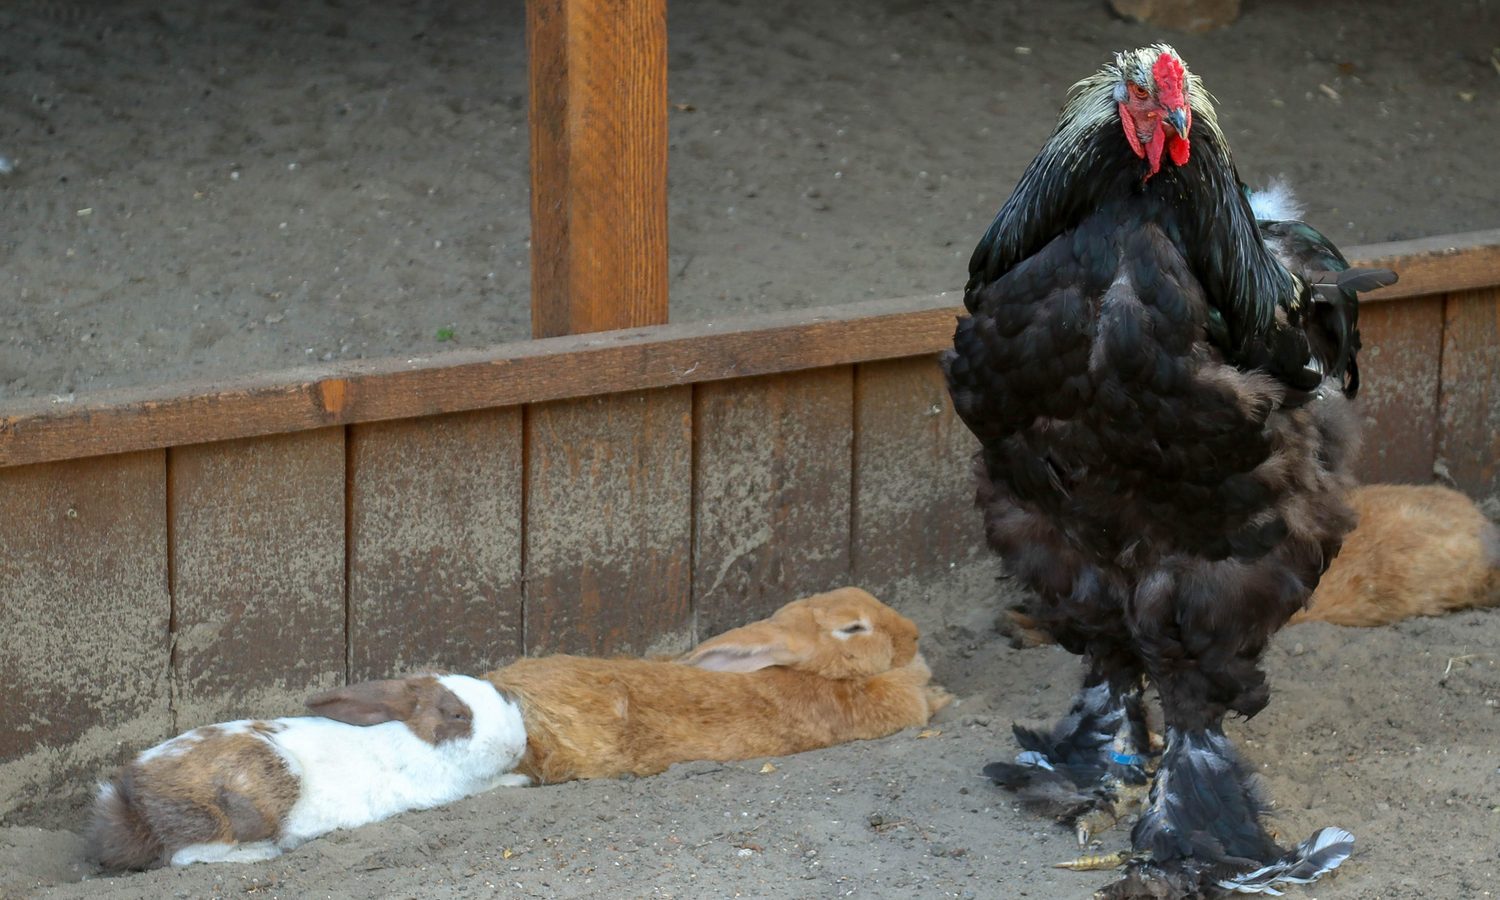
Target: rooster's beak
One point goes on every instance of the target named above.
(1177, 118)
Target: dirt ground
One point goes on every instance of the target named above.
(212, 187)
(1363, 731)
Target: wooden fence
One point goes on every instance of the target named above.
(176, 555)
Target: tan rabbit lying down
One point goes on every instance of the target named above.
(836, 667)
(1418, 551)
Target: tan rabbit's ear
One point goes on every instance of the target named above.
(366, 703)
(748, 649)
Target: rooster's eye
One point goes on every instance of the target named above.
(1139, 92)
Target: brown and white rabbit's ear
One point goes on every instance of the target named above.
(367, 703)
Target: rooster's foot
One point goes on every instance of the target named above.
(1097, 863)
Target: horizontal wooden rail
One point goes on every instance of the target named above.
(503, 375)
(1434, 265)
(292, 400)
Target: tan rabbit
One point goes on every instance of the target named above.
(1418, 551)
(836, 667)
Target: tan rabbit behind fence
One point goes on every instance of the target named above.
(836, 667)
(1417, 551)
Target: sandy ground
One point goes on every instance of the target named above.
(211, 187)
(1363, 732)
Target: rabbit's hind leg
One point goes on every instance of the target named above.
(219, 851)
(255, 851)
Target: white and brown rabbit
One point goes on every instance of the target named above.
(840, 666)
(247, 790)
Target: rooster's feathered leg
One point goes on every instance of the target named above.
(1093, 768)
(1201, 833)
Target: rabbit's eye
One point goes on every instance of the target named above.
(855, 628)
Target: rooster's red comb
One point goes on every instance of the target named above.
(1168, 73)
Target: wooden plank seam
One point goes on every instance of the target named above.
(1439, 424)
(858, 509)
(695, 487)
(349, 475)
(526, 427)
(173, 688)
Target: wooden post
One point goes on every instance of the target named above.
(598, 164)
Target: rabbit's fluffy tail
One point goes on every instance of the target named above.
(937, 698)
(122, 837)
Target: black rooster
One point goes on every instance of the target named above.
(1160, 385)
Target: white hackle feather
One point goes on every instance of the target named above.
(1276, 202)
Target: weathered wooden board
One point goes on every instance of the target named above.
(1399, 374)
(1470, 408)
(771, 493)
(914, 515)
(505, 375)
(608, 531)
(598, 124)
(435, 543)
(557, 368)
(1433, 265)
(257, 573)
(84, 615)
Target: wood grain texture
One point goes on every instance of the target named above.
(575, 366)
(1470, 408)
(435, 543)
(84, 614)
(258, 574)
(771, 493)
(598, 121)
(608, 530)
(1400, 367)
(914, 515)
